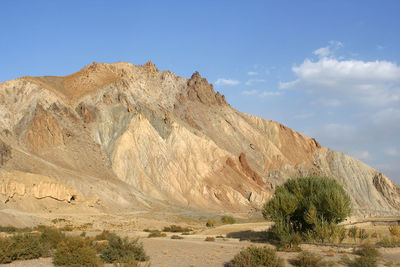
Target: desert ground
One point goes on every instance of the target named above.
(193, 250)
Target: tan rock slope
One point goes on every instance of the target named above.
(119, 137)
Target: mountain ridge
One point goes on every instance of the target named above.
(130, 137)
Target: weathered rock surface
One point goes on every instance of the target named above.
(121, 137)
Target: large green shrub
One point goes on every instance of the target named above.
(308, 205)
(76, 252)
(303, 202)
(256, 256)
(122, 250)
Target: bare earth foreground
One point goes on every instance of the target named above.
(193, 250)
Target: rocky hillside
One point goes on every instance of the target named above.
(119, 137)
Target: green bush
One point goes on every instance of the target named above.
(210, 223)
(228, 219)
(21, 247)
(76, 252)
(304, 201)
(256, 256)
(122, 250)
(52, 237)
(6, 250)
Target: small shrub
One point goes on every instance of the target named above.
(156, 233)
(176, 229)
(389, 242)
(256, 256)
(394, 230)
(374, 235)
(228, 219)
(58, 220)
(146, 230)
(12, 229)
(6, 250)
(76, 251)
(210, 223)
(176, 237)
(67, 228)
(359, 262)
(307, 259)
(367, 250)
(352, 233)
(210, 239)
(21, 247)
(341, 233)
(52, 237)
(122, 250)
(362, 234)
(103, 235)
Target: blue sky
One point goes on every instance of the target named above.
(328, 69)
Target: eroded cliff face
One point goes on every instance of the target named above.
(132, 137)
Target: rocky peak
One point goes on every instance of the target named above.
(200, 90)
(150, 66)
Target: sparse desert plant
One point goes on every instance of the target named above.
(362, 234)
(76, 251)
(12, 229)
(103, 235)
(210, 239)
(228, 219)
(389, 242)
(210, 223)
(307, 259)
(367, 250)
(256, 256)
(176, 229)
(176, 237)
(341, 233)
(374, 235)
(368, 256)
(121, 250)
(352, 233)
(156, 233)
(395, 230)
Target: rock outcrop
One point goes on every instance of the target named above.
(142, 138)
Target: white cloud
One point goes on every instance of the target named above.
(223, 81)
(380, 47)
(270, 93)
(374, 83)
(328, 50)
(253, 81)
(252, 73)
(249, 92)
(392, 151)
